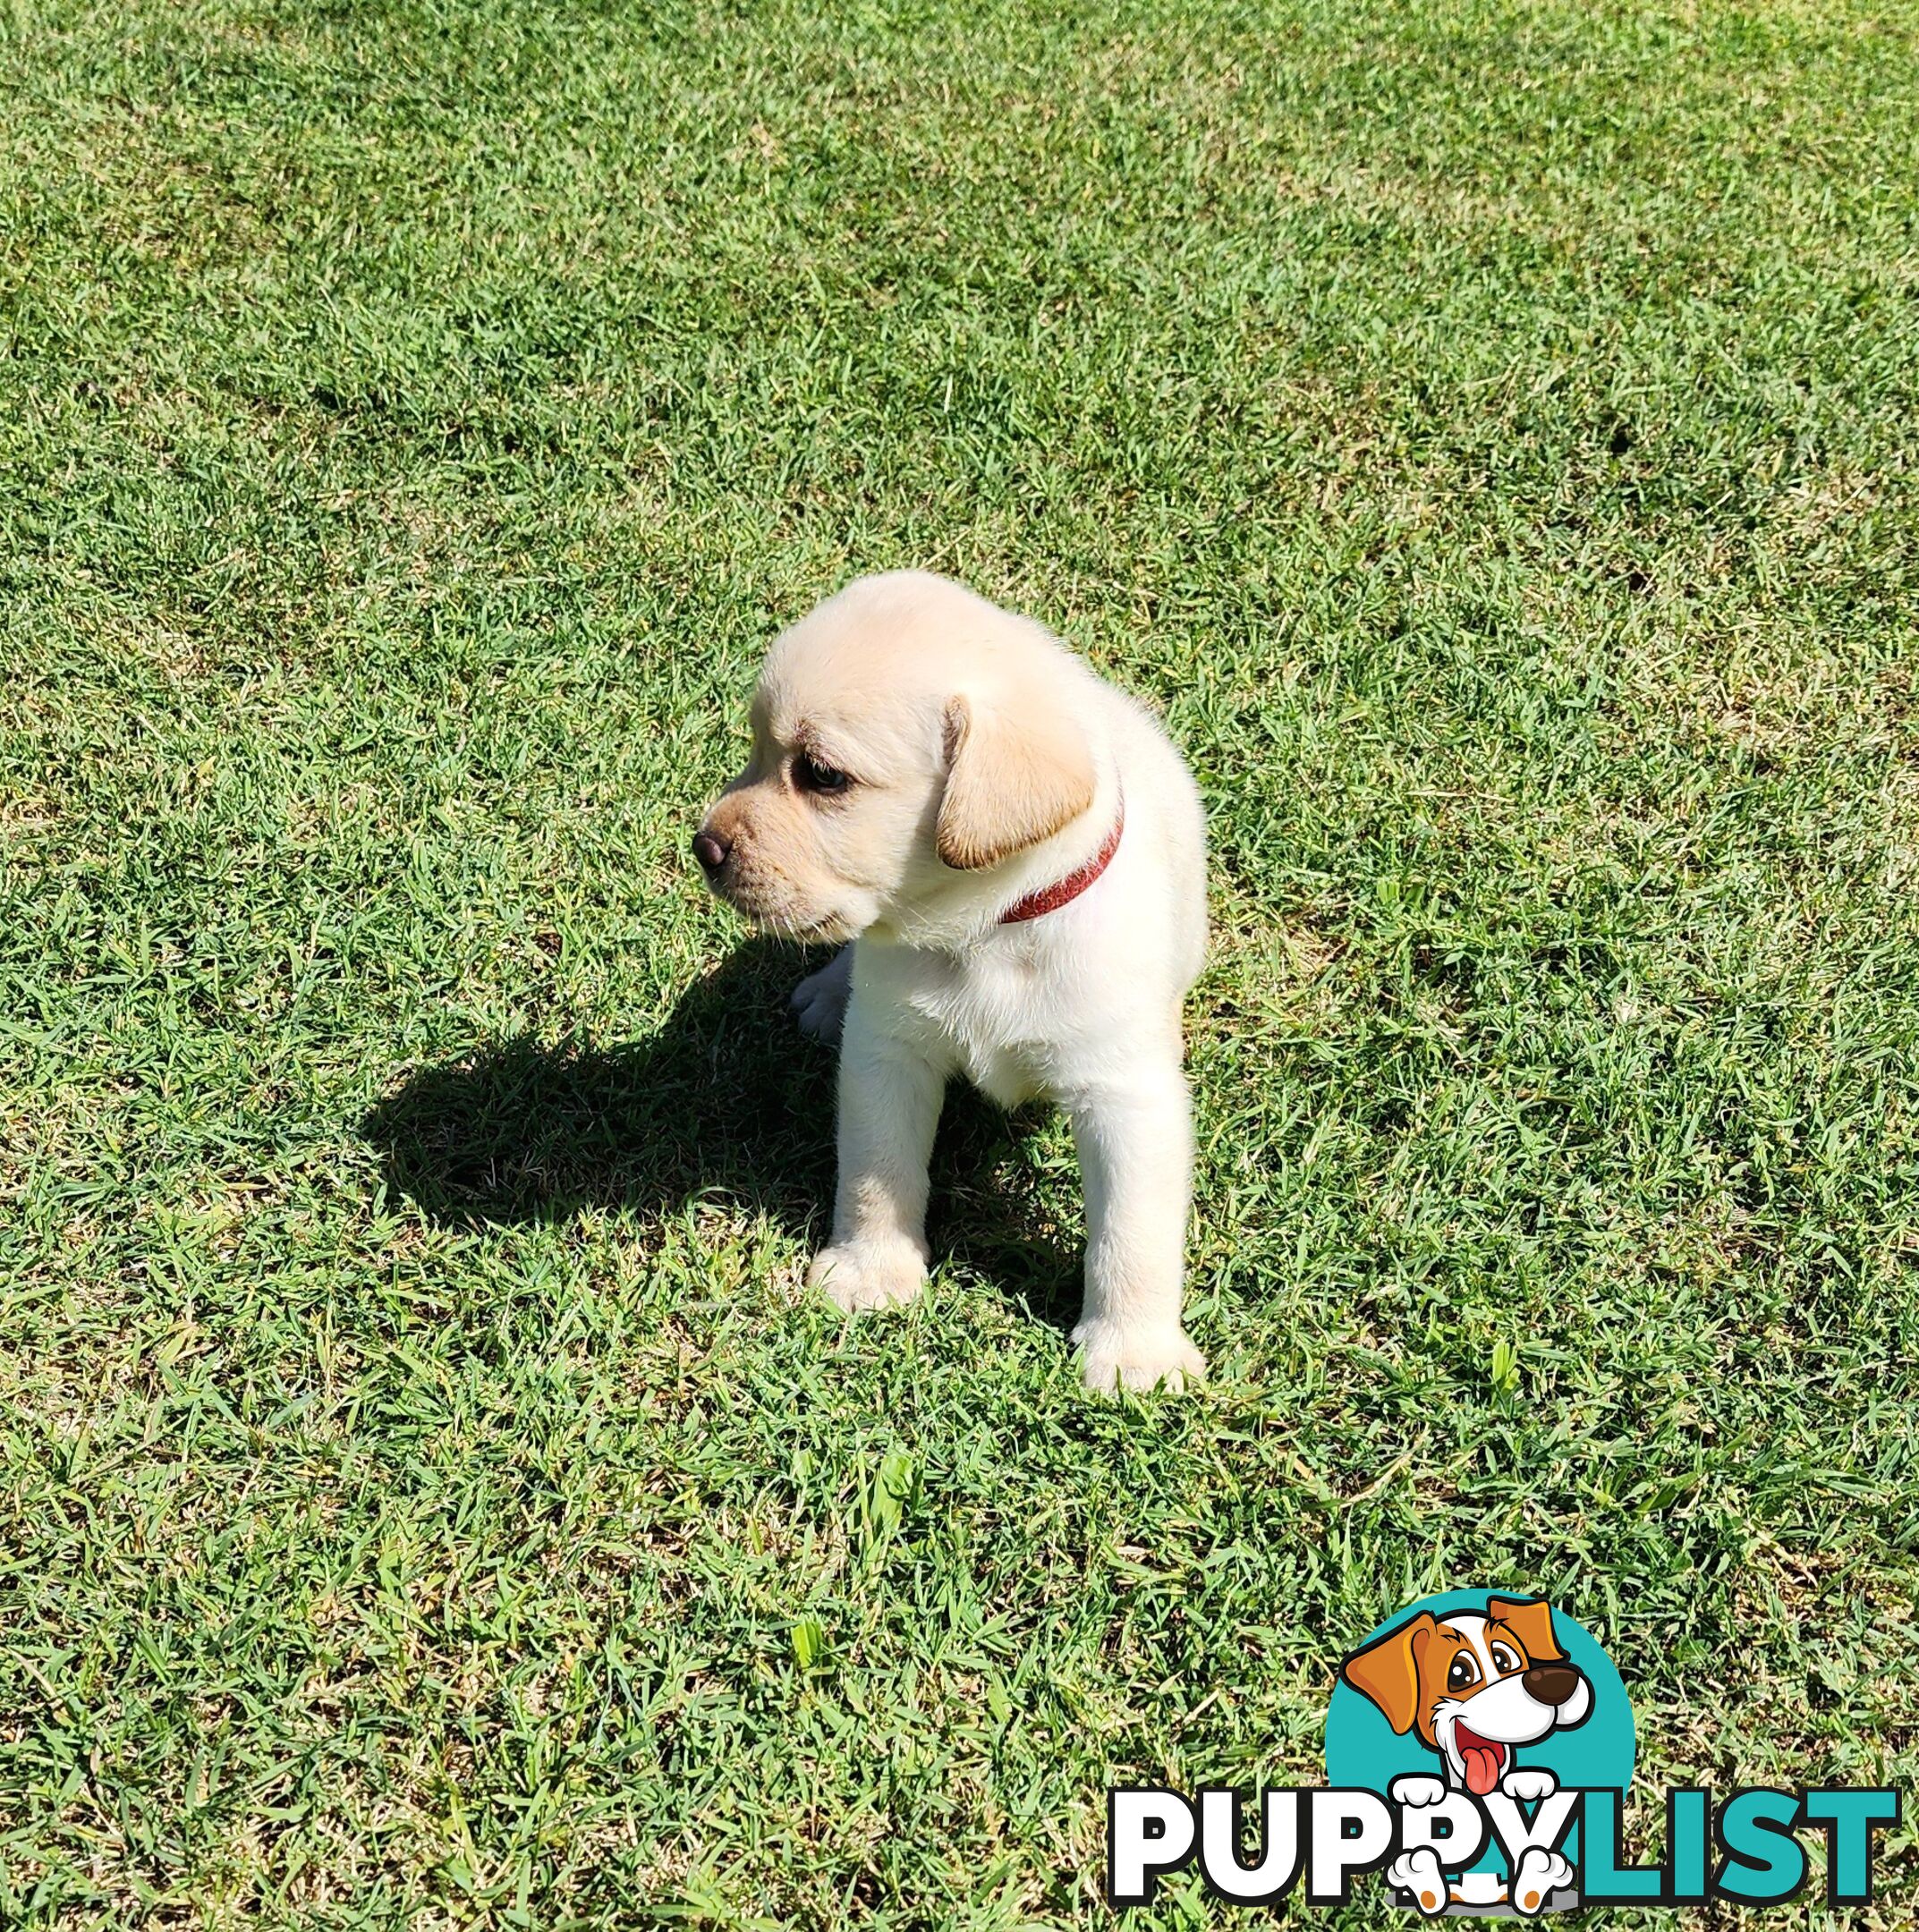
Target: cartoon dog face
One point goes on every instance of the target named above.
(1473, 1687)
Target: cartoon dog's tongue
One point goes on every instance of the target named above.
(1482, 1760)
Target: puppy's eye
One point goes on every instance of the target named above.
(811, 776)
(1505, 1660)
(1464, 1673)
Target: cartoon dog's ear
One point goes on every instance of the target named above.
(1531, 1623)
(1386, 1671)
(1011, 781)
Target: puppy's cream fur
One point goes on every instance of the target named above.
(984, 762)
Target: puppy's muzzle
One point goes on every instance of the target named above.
(1550, 1684)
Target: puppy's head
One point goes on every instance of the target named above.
(906, 735)
(1474, 1687)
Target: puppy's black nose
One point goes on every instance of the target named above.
(711, 852)
(1550, 1684)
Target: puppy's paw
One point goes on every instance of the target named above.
(1418, 1872)
(1526, 1786)
(1541, 1874)
(1112, 1357)
(820, 1000)
(1416, 1791)
(868, 1275)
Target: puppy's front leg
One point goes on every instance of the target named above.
(820, 1000)
(889, 1097)
(1136, 1146)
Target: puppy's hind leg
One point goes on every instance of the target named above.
(1136, 1146)
(889, 1097)
(1541, 1873)
(1418, 1872)
(820, 1000)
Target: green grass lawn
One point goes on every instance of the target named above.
(1486, 431)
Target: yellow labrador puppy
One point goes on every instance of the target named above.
(1018, 854)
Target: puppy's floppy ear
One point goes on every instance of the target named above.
(1013, 778)
(1531, 1623)
(1386, 1671)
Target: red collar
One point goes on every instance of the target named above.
(1050, 898)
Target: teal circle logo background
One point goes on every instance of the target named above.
(1362, 1749)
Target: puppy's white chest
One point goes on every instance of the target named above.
(1003, 1075)
(982, 1014)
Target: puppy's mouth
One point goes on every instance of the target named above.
(827, 931)
(783, 922)
(762, 893)
(1483, 1760)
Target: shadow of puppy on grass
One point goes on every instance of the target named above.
(727, 1101)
